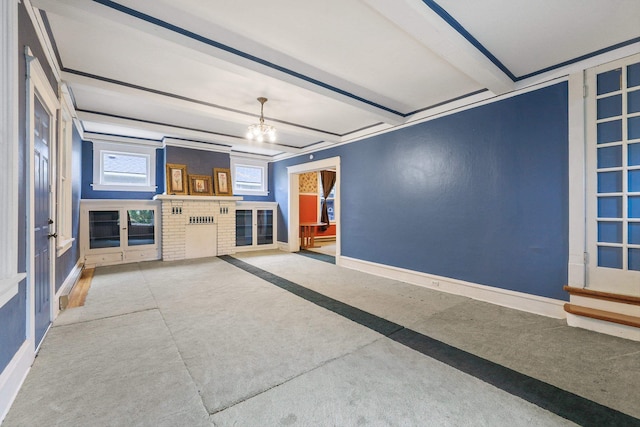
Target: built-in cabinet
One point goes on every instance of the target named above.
(256, 226)
(119, 231)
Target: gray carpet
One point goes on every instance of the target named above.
(203, 342)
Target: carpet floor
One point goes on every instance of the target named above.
(272, 338)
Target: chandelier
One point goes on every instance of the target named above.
(261, 132)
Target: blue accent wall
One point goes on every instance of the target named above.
(67, 261)
(202, 162)
(480, 196)
(87, 178)
(199, 162)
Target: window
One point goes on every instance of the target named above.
(64, 187)
(330, 200)
(249, 176)
(123, 167)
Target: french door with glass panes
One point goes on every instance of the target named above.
(613, 176)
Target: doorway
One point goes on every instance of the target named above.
(42, 106)
(294, 173)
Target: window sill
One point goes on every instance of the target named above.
(64, 246)
(102, 187)
(250, 193)
(9, 288)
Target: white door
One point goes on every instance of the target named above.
(613, 176)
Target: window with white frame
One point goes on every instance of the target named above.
(330, 200)
(123, 167)
(250, 176)
(64, 187)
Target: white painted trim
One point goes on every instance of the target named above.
(9, 60)
(577, 183)
(284, 246)
(197, 145)
(43, 38)
(293, 173)
(603, 327)
(9, 288)
(148, 149)
(122, 141)
(13, 376)
(517, 300)
(263, 165)
(68, 284)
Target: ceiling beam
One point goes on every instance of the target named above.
(181, 133)
(430, 29)
(194, 46)
(101, 86)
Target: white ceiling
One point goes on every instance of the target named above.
(333, 70)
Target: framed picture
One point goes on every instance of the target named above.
(222, 182)
(177, 179)
(200, 185)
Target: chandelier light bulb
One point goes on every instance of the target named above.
(261, 131)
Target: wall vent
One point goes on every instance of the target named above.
(201, 220)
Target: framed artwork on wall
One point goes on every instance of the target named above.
(200, 185)
(177, 179)
(222, 182)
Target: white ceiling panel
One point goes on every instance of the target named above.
(529, 36)
(332, 70)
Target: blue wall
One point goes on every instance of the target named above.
(480, 196)
(202, 162)
(68, 260)
(87, 178)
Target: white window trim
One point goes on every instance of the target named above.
(9, 276)
(100, 146)
(245, 161)
(64, 193)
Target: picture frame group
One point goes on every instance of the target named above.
(179, 182)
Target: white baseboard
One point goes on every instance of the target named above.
(68, 285)
(284, 246)
(13, 376)
(517, 300)
(603, 327)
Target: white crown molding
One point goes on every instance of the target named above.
(197, 145)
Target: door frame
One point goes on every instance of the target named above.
(38, 85)
(293, 173)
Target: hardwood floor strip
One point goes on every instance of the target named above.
(81, 289)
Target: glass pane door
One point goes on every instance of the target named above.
(244, 228)
(104, 229)
(265, 227)
(140, 227)
(614, 141)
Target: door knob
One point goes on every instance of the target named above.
(54, 235)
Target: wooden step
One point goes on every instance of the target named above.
(606, 296)
(608, 316)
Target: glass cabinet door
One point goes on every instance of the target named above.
(244, 228)
(140, 227)
(265, 226)
(104, 229)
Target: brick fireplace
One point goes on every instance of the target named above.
(197, 226)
